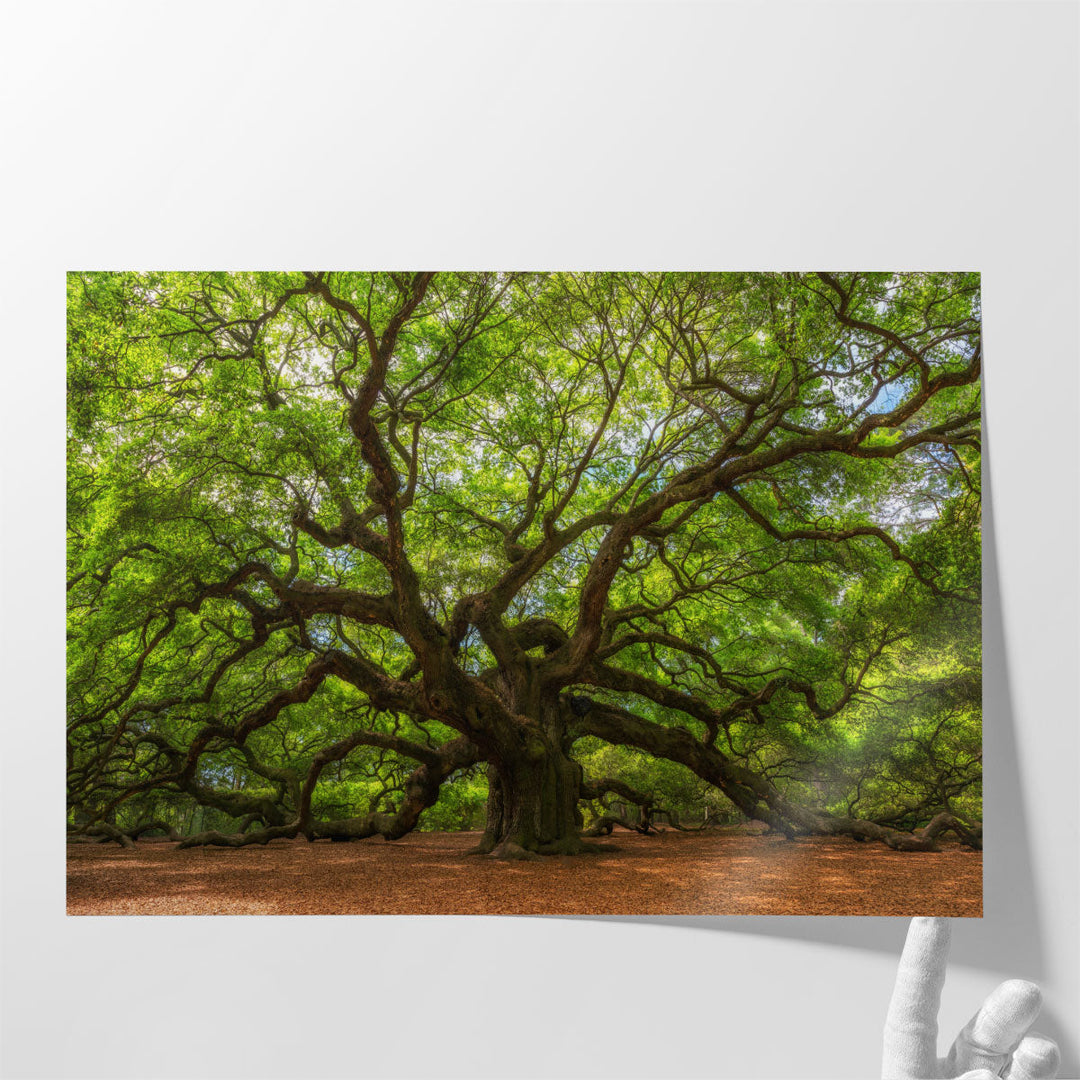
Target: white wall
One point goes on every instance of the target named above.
(640, 135)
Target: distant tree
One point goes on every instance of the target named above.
(342, 542)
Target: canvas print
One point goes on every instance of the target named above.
(524, 592)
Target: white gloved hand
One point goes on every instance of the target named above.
(996, 1041)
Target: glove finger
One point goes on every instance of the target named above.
(980, 1074)
(996, 1029)
(1036, 1058)
(911, 1027)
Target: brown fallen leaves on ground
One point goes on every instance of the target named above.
(717, 872)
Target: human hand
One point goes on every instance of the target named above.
(996, 1042)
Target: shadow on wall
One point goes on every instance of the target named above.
(1008, 940)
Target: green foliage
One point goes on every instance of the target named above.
(461, 805)
(206, 411)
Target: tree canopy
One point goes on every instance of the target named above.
(536, 553)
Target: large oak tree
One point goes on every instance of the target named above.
(422, 529)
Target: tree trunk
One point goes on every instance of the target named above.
(533, 793)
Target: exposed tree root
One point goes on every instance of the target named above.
(511, 852)
(573, 845)
(486, 846)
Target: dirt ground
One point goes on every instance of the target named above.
(729, 872)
